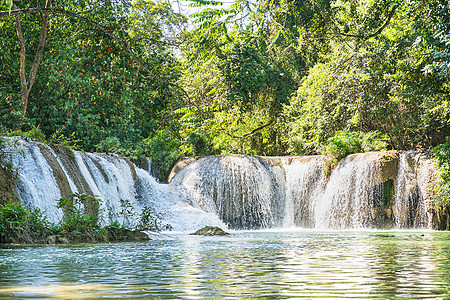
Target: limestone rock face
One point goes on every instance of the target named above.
(387, 164)
(210, 231)
(179, 166)
(6, 186)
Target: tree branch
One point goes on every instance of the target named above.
(64, 21)
(374, 34)
(37, 57)
(17, 12)
(248, 133)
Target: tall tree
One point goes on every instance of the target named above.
(27, 81)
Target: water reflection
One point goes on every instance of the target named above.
(407, 264)
(271, 265)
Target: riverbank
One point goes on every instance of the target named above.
(20, 224)
(118, 235)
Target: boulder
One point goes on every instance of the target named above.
(210, 231)
(179, 166)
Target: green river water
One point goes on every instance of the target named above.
(246, 264)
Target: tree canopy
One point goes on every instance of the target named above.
(247, 76)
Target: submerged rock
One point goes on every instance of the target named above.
(210, 231)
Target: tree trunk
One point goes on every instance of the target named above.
(26, 85)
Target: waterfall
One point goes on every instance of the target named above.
(46, 174)
(367, 190)
(370, 190)
(353, 196)
(244, 191)
(307, 173)
(346, 201)
(413, 186)
(36, 181)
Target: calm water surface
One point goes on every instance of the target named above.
(271, 265)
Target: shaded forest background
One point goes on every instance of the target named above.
(250, 77)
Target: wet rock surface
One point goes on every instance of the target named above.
(210, 231)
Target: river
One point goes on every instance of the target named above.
(247, 264)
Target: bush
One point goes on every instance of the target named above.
(81, 214)
(200, 143)
(81, 223)
(346, 142)
(441, 155)
(149, 220)
(19, 223)
(163, 149)
(70, 141)
(34, 133)
(111, 145)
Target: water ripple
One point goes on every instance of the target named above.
(266, 265)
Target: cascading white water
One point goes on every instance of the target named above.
(359, 192)
(346, 200)
(413, 183)
(305, 182)
(36, 183)
(245, 191)
(110, 177)
(117, 182)
(378, 190)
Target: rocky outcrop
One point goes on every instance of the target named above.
(210, 231)
(6, 187)
(179, 166)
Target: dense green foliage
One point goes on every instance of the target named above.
(327, 67)
(82, 222)
(252, 77)
(81, 214)
(348, 142)
(441, 155)
(88, 86)
(18, 222)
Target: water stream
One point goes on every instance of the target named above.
(247, 264)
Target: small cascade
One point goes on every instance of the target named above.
(357, 194)
(47, 174)
(347, 199)
(112, 178)
(413, 186)
(36, 183)
(305, 182)
(244, 191)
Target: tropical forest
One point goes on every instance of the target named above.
(305, 128)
